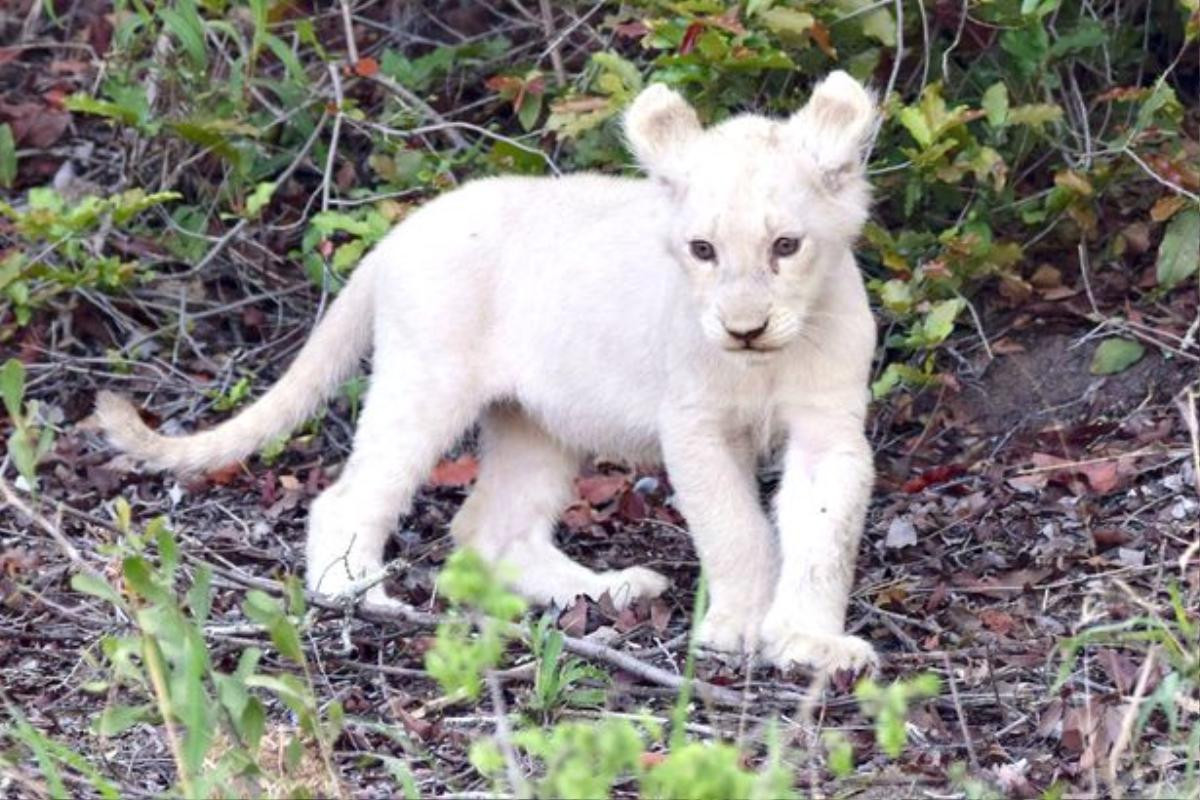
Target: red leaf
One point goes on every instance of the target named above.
(689, 38)
(1106, 538)
(459, 472)
(223, 476)
(932, 477)
(820, 35)
(366, 67)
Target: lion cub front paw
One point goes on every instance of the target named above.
(823, 652)
(728, 630)
(628, 585)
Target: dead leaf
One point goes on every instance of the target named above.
(223, 476)
(1005, 346)
(660, 615)
(901, 533)
(1165, 207)
(1106, 538)
(366, 67)
(34, 125)
(1102, 476)
(599, 490)
(573, 621)
(997, 621)
(1004, 585)
(455, 473)
(1046, 276)
(1120, 668)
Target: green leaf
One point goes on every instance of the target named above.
(995, 104)
(12, 386)
(939, 323)
(531, 109)
(114, 720)
(347, 255)
(1179, 253)
(880, 25)
(1035, 115)
(896, 296)
(8, 156)
(914, 122)
(86, 583)
(787, 21)
(199, 596)
(259, 198)
(184, 22)
(252, 723)
(1116, 355)
(23, 455)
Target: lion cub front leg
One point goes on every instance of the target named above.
(820, 509)
(715, 489)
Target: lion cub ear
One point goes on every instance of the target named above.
(834, 127)
(659, 125)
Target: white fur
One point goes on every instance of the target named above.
(569, 316)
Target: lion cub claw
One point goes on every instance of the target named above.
(824, 653)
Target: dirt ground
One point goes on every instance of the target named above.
(1016, 505)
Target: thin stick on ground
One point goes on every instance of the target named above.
(556, 61)
(11, 498)
(962, 718)
(504, 737)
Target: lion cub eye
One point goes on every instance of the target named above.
(702, 250)
(785, 246)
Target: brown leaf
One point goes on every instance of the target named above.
(1109, 537)
(599, 490)
(223, 476)
(455, 473)
(1102, 476)
(577, 517)
(660, 615)
(631, 30)
(1046, 276)
(366, 67)
(820, 35)
(1007, 584)
(997, 621)
(1121, 670)
(633, 507)
(1051, 720)
(34, 125)
(1165, 207)
(627, 620)
(573, 621)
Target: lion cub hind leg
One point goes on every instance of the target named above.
(525, 480)
(406, 424)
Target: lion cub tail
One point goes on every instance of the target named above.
(328, 357)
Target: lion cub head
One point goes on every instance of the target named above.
(765, 209)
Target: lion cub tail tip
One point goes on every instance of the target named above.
(118, 420)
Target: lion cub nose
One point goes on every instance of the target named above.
(750, 335)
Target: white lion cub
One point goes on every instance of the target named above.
(703, 317)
